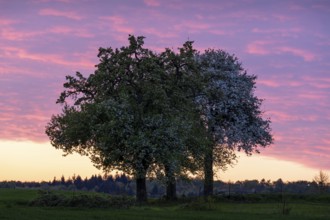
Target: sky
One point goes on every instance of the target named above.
(285, 43)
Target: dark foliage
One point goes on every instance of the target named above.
(272, 197)
(55, 199)
(121, 184)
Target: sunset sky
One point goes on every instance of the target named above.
(285, 43)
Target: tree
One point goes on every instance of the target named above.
(230, 110)
(322, 180)
(78, 182)
(132, 113)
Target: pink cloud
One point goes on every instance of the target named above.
(279, 116)
(14, 35)
(247, 15)
(279, 64)
(323, 148)
(326, 142)
(46, 1)
(53, 12)
(158, 33)
(118, 24)
(65, 30)
(153, 3)
(4, 68)
(286, 148)
(191, 26)
(282, 17)
(258, 47)
(16, 125)
(284, 80)
(20, 53)
(317, 153)
(307, 56)
(270, 47)
(312, 96)
(269, 83)
(223, 32)
(25, 119)
(197, 25)
(25, 130)
(7, 110)
(294, 6)
(322, 7)
(275, 83)
(6, 22)
(117, 20)
(284, 32)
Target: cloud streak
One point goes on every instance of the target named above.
(19, 53)
(58, 13)
(270, 48)
(152, 3)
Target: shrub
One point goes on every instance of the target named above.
(200, 204)
(46, 198)
(51, 199)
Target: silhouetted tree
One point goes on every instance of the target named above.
(78, 182)
(322, 180)
(63, 180)
(54, 182)
(279, 185)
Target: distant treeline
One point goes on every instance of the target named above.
(121, 184)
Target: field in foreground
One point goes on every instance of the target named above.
(14, 205)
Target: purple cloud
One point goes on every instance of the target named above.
(59, 13)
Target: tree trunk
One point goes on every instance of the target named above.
(208, 173)
(170, 184)
(141, 190)
(171, 191)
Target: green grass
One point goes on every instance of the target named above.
(13, 205)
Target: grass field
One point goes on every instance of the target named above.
(14, 205)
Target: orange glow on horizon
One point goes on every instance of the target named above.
(29, 161)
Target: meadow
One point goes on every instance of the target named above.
(16, 204)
